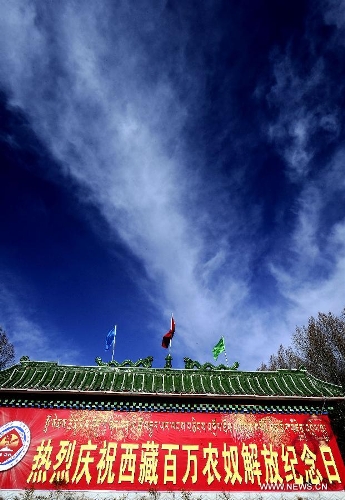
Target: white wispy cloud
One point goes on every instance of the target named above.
(310, 273)
(299, 98)
(119, 134)
(334, 13)
(319, 293)
(29, 338)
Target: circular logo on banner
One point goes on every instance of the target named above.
(14, 443)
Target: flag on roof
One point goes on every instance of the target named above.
(218, 348)
(169, 335)
(109, 339)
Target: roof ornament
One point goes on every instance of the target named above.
(168, 361)
(143, 362)
(189, 364)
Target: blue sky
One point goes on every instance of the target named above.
(166, 156)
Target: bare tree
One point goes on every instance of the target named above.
(285, 358)
(320, 348)
(6, 350)
(321, 345)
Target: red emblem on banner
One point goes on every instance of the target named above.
(14, 443)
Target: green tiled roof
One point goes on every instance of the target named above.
(29, 376)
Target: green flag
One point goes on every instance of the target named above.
(218, 348)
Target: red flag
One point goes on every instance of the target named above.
(169, 335)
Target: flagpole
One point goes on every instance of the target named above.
(226, 358)
(112, 355)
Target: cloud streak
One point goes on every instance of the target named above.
(305, 131)
(300, 115)
(120, 136)
(29, 338)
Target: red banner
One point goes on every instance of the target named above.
(103, 450)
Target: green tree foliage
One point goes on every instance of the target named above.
(6, 350)
(320, 348)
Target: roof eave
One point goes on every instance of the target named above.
(174, 395)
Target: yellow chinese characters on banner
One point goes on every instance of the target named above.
(79, 449)
(140, 463)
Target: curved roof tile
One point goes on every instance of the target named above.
(287, 384)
